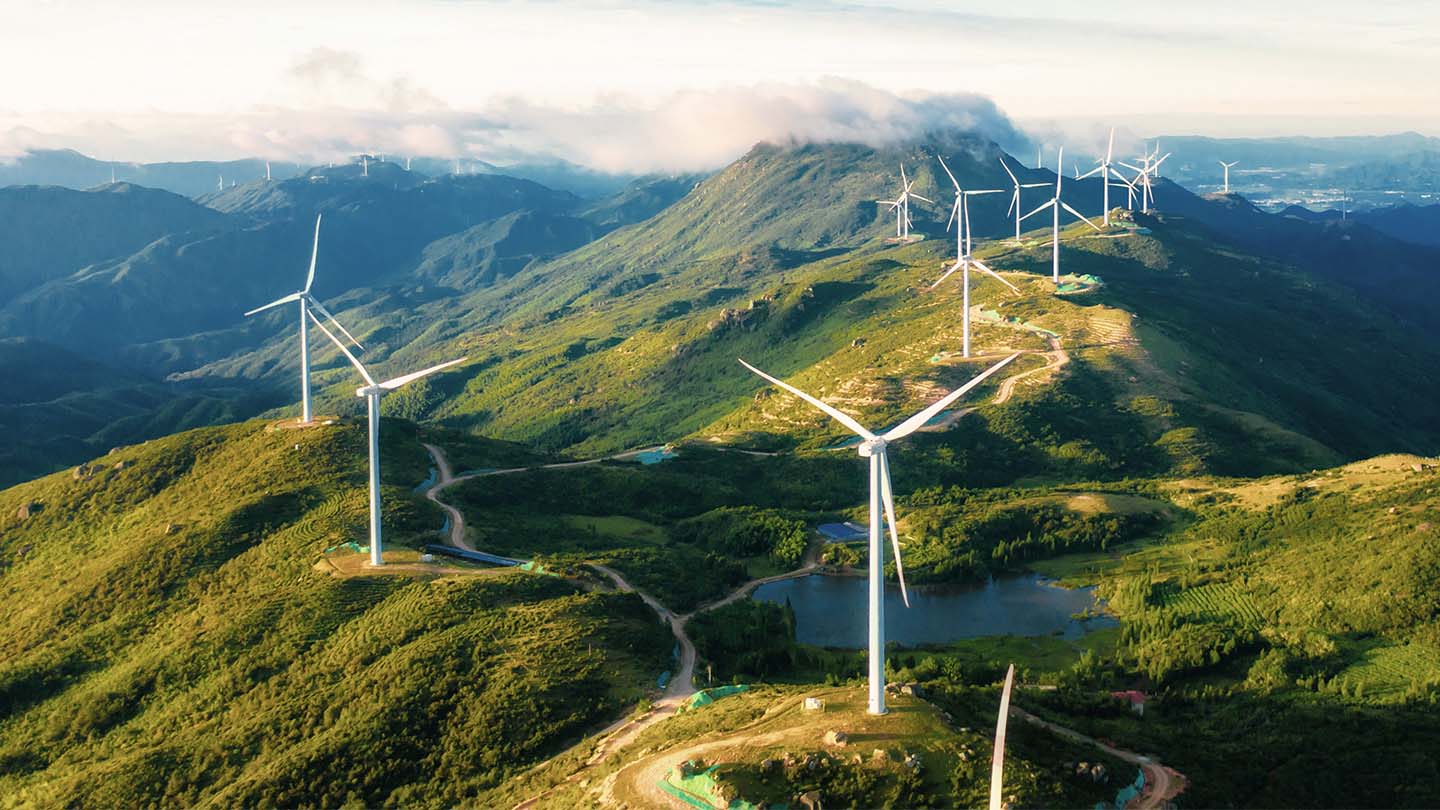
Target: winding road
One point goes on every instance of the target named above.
(1161, 783)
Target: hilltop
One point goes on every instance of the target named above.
(177, 619)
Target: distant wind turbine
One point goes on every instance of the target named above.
(112, 175)
(306, 301)
(372, 391)
(1227, 174)
(1015, 198)
(267, 171)
(901, 205)
(960, 218)
(873, 447)
(364, 166)
(997, 762)
(220, 182)
(1055, 204)
(1149, 167)
(1105, 168)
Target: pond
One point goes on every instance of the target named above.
(831, 611)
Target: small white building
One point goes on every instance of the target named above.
(814, 704)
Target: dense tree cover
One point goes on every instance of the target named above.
(747, 640)
(681, 576)
(960, 534)
(746, 531)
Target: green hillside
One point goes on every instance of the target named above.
(178, 636)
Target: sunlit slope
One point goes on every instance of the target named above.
(1192, 357)
(173, 637)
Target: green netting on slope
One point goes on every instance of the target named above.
(1127, 793)
(995, 317)
(705, 697)
(352, 546)
(701, 790)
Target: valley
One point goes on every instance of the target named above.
(1223, 442)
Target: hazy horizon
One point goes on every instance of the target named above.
(643, 86)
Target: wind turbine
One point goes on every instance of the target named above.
(997, 762)
(112, 175)
(220, 182)
(901, 205)
(372, 391)
(873, 448)
(267, 171)
(1148, 167)
(1015, 198)
(960, 218)
(364, 166)
(1104, 169)
(306, 301)
(1055, 204)
(1227, 174)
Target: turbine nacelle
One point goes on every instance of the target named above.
(872, 447)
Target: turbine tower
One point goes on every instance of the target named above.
(873, 448)
(267, 171)
(901, 206)
(960, 218)
(1227, 166)
(997, 762)
(306, 302)
(372, 391)
(1103, 167)
(1149, 167)
(1015, 198)
(1055, 204)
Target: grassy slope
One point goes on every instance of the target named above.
(171, 643)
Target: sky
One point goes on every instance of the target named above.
(643, 86)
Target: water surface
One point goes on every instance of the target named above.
(831, 611)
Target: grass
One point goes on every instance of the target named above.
(173, 641)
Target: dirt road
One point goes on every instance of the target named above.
(1161, 783)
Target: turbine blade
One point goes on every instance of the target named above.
(997, 764)
(314, 252)
(326, 313)
(918, 197)
(341, 346)
(1004, 166)
(1043, 206)
(954, 208)
(914, 423)
(1014, 201)
(838, 415)
(1128, 166)
(1079, 215)
(396, 382)
(1110, 151)
(985, 191)
(1034, 185)
(948, 273)
(993, 274)
(948, 172)
(1093, 171)
(888, 498)
(277, 302)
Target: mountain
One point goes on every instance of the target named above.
(1410, 223)
(51, 232)
(68, 168)
(1418, 170)
(1399, 275)
(180, 635)
(781, 259)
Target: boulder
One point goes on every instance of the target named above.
(837, 738)
(27, 509)
(879, 755)
(809, 800)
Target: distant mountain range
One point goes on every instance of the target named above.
(550, 293)
(71, 169)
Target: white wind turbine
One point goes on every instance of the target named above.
(1015, 198)
(1149, 167)
(372, 391)
(901, 205)
(1055, 204)
(997, 762)
(306, 302)
(873, 448)
(1227, 167)
(267, 171)
(1104, 168)
(960, 218)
